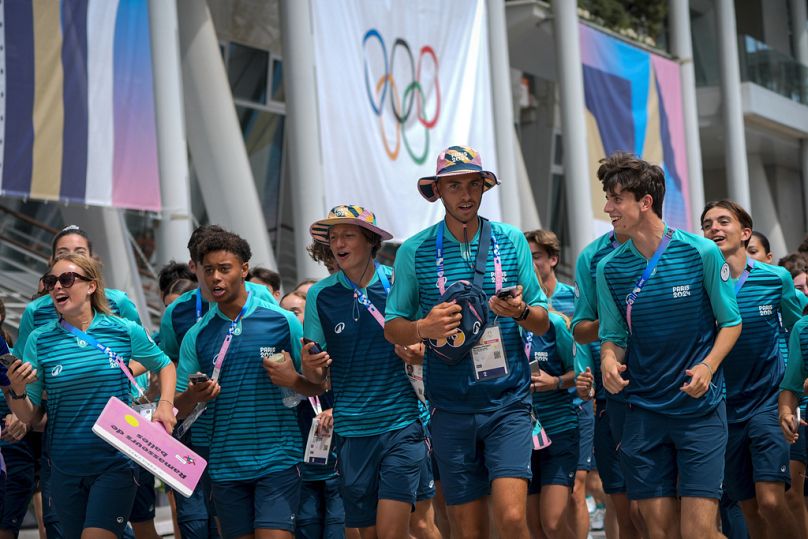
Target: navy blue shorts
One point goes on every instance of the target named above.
(269, 502)
(20, 483)
(143, 508)
(93, 501)
(474, 449)
(556, 464)
(321, 513)
(426, 481)
(386, 466)
(607, 449)
(586, 431)
(797, 450)
(756, 451)
(667, 456)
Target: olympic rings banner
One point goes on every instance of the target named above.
(398, 82)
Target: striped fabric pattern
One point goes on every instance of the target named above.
(80, 118)
(553, 351)
(454, 388)
(754, 368)
(251, 433)
(674, 320)
(79, 381)
(372, 393)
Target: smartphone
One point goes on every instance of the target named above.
(314, 349)
(7, 360)
(505, 293)
(534, 367)
(199, 378)
(799, 416)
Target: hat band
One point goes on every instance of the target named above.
(460, 167)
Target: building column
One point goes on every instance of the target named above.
(502, 98)
(799, 35)
(304, 155)
(214, 135)
(571, 88)
(734, 135)
(107, 230)
(176, 224)
(682, 47)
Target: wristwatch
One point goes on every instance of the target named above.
(524, 314)
(15, 396)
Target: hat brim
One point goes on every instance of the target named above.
(426, 185)
(319, 229)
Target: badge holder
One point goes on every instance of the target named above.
(318, 446)
(415, 374)
(488, 355)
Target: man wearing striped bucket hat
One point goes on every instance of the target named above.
(383, 451)
(477, 378)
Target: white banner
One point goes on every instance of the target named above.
(397, 82)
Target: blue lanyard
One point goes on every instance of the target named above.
(750, 264)
(365, 301)
(217, 365)
(106, 350)
(649, 270)
(441, 283)
(198, 304)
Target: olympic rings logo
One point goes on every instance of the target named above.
(401, 106)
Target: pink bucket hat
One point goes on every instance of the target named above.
(453, 161)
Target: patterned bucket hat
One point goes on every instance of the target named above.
(346, 215)
(453, 161)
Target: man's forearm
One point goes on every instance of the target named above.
(537, 322)
(402, 331)
(586, 331)
(724, 341)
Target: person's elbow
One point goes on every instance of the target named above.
(393, 329)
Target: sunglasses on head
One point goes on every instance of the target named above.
(66, 279)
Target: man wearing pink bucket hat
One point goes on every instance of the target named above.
(478, 376)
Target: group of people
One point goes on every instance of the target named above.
(465, 392)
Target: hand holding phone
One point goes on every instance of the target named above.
(315, 349)
(198, 378)
(506, 293)
(7, 360)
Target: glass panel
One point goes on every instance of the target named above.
(277, 80)
(247, 72)
(263, 137)
(772, 69)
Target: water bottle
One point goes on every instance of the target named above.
(288, 395)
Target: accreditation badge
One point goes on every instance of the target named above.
(489, 355)
(318, 446)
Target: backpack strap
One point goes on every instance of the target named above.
(482, 253)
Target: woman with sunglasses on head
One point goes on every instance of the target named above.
(93, 485)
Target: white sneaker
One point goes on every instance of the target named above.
(596, 519)
(590, 504)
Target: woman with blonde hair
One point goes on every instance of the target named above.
(81, 361)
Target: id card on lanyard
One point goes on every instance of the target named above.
(217, 369)
(318, 445)
(649, 271)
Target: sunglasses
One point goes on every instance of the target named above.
(67, 279)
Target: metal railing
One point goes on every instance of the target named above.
(772, 69)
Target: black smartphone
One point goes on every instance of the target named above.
(199, 378)
(505, 293)
(314, 349)
(7, 360)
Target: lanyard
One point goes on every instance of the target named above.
(649, 270)
(217, 366)
(200, 407)
(528, 344)
(364, 300)
(198, 304)
(613, 240)
(750, 264)
(82, 336)
(441, 284)
(315, 405)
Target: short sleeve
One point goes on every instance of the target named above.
(34, 390)
(25, 329)
(403, 301)
(312, 327)
(586, 301)
(795, 375)
(790, 306)
(144, 349)
(126, 308)
(719, 286)
(564, 344)
(613, 327)
(168, 337)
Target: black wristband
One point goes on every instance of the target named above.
(524, 314)
(16, 397)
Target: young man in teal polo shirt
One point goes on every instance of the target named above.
(481, 423)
